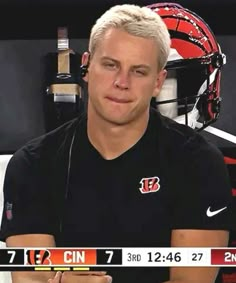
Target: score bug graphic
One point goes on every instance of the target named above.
(77, 259)
(38, 257)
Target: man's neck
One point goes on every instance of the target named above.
(112, 140)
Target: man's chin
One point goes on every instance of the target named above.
(118, 120)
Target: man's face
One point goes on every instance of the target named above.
(122, 77)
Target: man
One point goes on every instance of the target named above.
(123, 175)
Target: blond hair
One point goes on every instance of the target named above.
(137, 21)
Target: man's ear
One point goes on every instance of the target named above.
(159, 82)
(84, 66)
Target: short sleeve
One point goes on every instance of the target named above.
(27, 208)
(202, 198)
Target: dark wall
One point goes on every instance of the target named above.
(22, 89)
(39, 19)
(228, 115)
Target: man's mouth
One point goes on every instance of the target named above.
(118, 100)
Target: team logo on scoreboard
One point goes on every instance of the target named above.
(38, 257)
(149, 185)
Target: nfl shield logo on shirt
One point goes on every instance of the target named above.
(9, 210)
(149, 185)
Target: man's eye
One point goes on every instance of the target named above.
(109, 65)
(140, 72)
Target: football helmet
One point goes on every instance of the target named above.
(191, 92)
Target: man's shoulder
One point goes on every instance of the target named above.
(46, 146)
(183, 139)
(173, 132)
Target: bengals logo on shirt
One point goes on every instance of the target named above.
(149, 185)
(38, 257)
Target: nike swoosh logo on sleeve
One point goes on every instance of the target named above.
(211, 213)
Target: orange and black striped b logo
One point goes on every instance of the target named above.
(38, 257)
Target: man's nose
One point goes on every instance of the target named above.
(122, 80)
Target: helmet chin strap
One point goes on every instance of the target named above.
(170, 110)
(193, 115)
